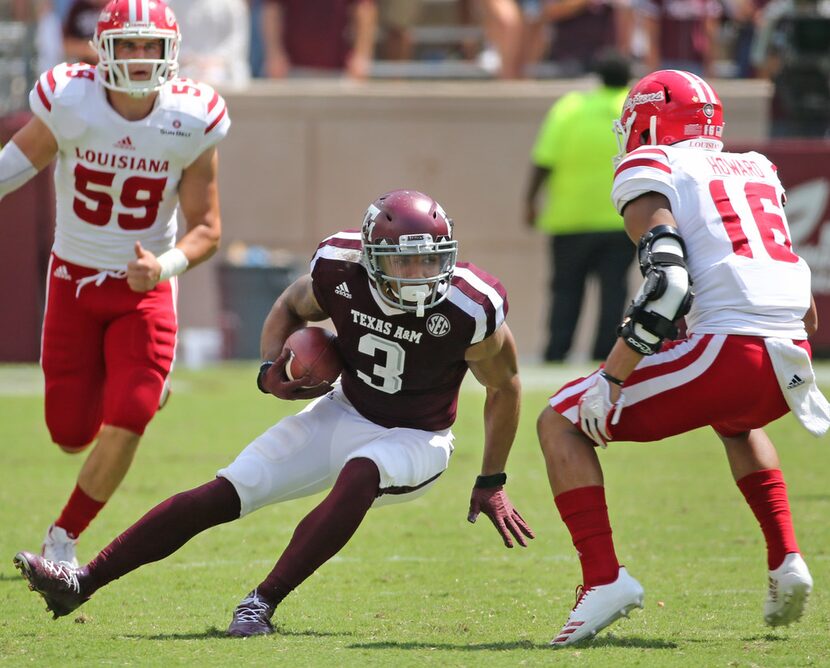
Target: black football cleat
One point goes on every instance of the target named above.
(252, 617)
(56, 582)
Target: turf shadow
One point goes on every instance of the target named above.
(602, 641)
(215, 632)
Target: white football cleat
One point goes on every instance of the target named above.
(59, 546)
(600, 606)
(789, 588)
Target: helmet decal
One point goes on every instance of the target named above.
(667, 107)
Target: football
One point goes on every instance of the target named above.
(313, 352)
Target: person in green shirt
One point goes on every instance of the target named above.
(573, 157)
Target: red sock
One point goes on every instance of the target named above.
(766, 493)
(584, 512)
(78, 512)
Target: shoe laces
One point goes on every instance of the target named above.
(580, 594)
(65, 572)
(252, 609)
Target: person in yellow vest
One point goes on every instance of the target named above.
(573, 157)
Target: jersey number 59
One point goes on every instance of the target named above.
(142, 193)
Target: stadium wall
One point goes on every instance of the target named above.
(304, 158)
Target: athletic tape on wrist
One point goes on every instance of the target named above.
(173, 263)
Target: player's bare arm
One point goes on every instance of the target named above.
(30, 150)
(199, 204)
(640, 215)
(811, 318)
(294, 308)
(494, 364)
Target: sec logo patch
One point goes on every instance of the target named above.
(438, 324)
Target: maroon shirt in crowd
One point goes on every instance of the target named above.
(315, 32)
(681, 24)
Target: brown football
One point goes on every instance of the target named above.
(314, 353)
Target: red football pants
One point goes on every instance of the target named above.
(726, 382)
(106, 352)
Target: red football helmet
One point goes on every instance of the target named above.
(666, 107)
(408, 249)
(136, 19)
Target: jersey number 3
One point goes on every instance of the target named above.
(770, 225)
(137, 192)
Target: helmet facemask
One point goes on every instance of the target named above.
(115, 72)
(398, 270)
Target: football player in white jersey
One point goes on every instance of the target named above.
(132, 142)
(713, 246)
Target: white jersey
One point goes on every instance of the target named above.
(116, 180)
(729, 211)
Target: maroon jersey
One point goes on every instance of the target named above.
(682, 27)
(316, 34)
(401, 370)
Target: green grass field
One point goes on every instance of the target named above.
(417, 585)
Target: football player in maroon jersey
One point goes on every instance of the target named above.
(410, 320)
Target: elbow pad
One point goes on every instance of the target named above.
(15, 169)
(665, 295)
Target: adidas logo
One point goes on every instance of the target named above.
(343, 290)
(795, 381)
(62, 272)
(125, 143)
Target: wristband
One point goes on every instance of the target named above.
(494, 480)
(173, 263)
(610, 378)
(263, 369)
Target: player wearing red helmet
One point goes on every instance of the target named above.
(132, 143)
(148, 21)
(711, 223)
(410, 322)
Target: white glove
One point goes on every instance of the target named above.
(594, 408)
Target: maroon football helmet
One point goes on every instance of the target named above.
(136, 19)
(666, 107)
(408, 249)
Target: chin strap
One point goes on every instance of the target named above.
(417, 294)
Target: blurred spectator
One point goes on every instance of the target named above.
(61, 8)
(582, 28)
(16, 10)
(397, 18)
(323, 37)
(573, 156)
(48, 36)
(217, 44)
(792, 49)
(503, 31)
(743, 19)
(78, 29)
(680, 33)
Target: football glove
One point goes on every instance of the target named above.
(595, 407)
(493, 502)
(271, 379)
